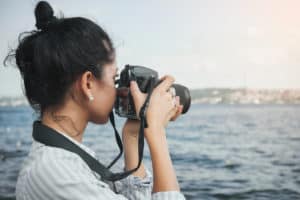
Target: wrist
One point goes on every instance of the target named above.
(155, 136)
(131, 128)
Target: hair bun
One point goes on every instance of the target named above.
(43, 15)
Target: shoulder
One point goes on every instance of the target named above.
(57, 163)
(53, 172)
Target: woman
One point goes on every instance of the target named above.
(68, 68)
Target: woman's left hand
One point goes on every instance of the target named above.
(132, 127)
(130, 140)
(139, 98)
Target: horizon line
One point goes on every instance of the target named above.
(200, 88)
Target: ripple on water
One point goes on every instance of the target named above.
(260, 194)
(219, 152)
(284, 163)
(297, 170)
(231, 165)
(200, 160)
(4, 155)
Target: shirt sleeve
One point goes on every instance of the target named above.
(170, 195)
(135, 188)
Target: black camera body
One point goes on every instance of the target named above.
(146, 79)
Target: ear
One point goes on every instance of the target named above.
(87, 83)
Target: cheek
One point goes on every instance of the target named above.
(108, 98)
(114, 94)
(113, 97)
(102, 106)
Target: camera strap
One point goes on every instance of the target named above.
(50, 137)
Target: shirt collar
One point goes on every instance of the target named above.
(84, 147)
(38, 127)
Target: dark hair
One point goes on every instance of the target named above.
(52, 57)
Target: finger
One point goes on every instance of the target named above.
(135, 90)
(166, 83)
(178, 108)
(174, 104)
(170, 98)
(176, 101)
(172, 91)
(178, 113)
(172, 113)
(137, 95)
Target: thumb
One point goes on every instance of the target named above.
(137, 95)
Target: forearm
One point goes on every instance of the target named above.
(130, 144)
(163, 172)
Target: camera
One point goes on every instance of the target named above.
(146, 79)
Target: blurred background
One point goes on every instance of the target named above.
(241, 60)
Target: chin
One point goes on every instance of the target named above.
(100, 120)
(105, 120)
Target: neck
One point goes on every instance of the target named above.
(69, 120)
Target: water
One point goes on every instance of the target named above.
(219, 151)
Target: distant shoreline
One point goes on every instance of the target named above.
(214, 96)
(246, 96)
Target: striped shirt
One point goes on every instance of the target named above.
(55, 173)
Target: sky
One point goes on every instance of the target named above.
(207, 43)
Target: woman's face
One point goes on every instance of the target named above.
(104, 94)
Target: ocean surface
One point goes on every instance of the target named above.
(219, 151)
